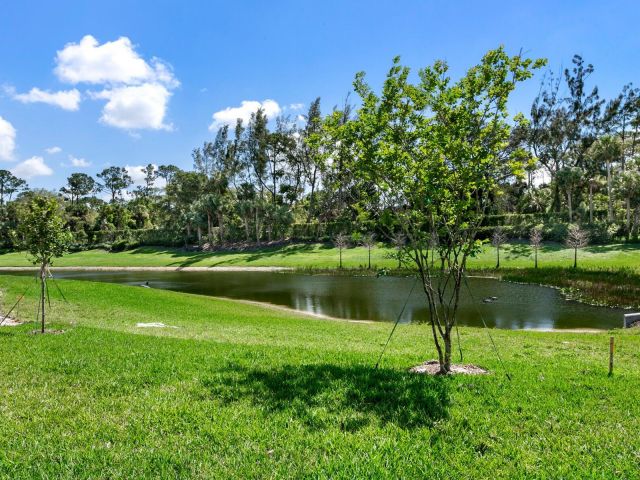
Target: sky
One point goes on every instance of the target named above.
(86, 85)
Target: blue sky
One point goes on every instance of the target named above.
(141, 80)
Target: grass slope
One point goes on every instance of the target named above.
(238, 391)
(515, 255)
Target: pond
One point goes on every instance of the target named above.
(516, 306)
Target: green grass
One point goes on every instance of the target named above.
(515, 255)
(239, 391)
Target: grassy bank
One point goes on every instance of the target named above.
(238, 391)
(516, 255)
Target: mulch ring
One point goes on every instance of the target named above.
(432, 367)
(9, 322)
(48, 331)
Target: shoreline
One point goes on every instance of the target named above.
(151, 269)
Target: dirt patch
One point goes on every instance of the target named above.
(154, 325)
(9, 322)
(432, 367)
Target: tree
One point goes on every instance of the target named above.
(369, 242)
(605, 151)
(312, 158)
(535, 239)
(115, 179)
(168, 172)
(79, 185)
(436, 153)
(576, 238)
(43, 235)
(628, 187)
(498, 239)
(569, 179)
(341, 241)
(399, 241)
(9, 184)
(151, 174)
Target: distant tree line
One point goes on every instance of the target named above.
(267, 181)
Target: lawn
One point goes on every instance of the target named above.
(239, 391)
(515, 255)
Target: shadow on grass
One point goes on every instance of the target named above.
(185, 258)
(350, 397)
(622, 247)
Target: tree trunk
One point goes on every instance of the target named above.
(246, 229)
(570, 206)
(536, 257)
(43, 286)
(445, 367)
(498, 257)
(257, 228)
(610, 204)
(628, 205)
(221, 227)
(209, 229)
(590, 203)
(575, 258)
(340, 249)
(199, 235)
(369, 258)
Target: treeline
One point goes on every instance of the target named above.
(289, 179)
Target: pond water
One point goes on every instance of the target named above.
(516, 306)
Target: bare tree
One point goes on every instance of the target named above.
(341, 241)
(369, 242)
(498, 239)
(535, 239)
(576, 238)
(399, 241)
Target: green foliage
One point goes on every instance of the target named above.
(42, 232)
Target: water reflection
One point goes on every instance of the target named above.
(367, 298)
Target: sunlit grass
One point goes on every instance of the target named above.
(515, 255)
(239, 391)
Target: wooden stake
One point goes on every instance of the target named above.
(610, 356)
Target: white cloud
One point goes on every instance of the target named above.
(7, 140)
(135, 107)
(32, 167)
(296, 106)
(78, 162)
(230, 115)
(110, 63)
(53, 150)
(65, 99)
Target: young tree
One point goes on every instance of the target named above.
(42, 234)
(576, 238)
(368, 241)
(399, 241)
(535, 239)
(341, 241)
(115, 179)
(498, 239)
(436, 153)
